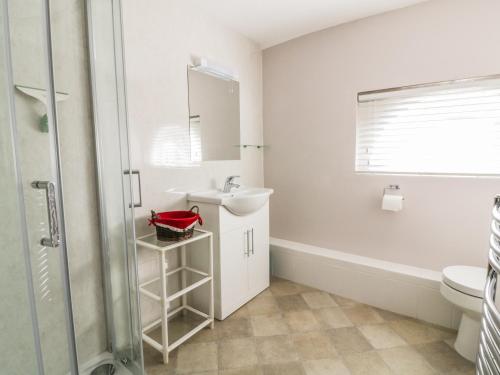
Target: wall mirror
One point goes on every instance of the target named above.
(214, 116)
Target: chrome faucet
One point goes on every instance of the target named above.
(230, 184)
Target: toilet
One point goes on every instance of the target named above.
(463, 286)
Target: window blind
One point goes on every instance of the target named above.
(443, 128)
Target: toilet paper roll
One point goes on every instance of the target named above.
(392, 202)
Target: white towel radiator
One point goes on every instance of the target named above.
(488, 358)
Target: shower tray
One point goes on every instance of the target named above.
(97, 366)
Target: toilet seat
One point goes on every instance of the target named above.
(466, 279)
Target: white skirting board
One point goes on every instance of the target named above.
(402, 289)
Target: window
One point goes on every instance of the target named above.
(442, 128)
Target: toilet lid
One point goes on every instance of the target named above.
(468, 280)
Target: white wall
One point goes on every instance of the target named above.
(160, 38)
(310, 87)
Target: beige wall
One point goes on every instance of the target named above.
(310, 87)
(160, 38)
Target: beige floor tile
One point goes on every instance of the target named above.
(304, 288)
(291, 368)
(262, 305)
(159, 369)
(345, 302)
(362, 314)
(415, 332)
(325, 367)
(153, 361)
(275, 349)
(381, 336)
(266, 293)
(332, 342)
(292, 303)
(406, 361)
(242, 371)
(162, 371)
(368, 363)
(280, 287)
(300, 287)
(349, 340)
(237, 353)
(197, 358)
(389, 316)
(333, 317)
(233, 329)
(269, 325)
(301, 321)
(313, 345)
(467, 372)
(443, 358)
(318, 300)
(242, 312)
(205, 335)
(178, 326)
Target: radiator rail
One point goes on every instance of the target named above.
(488, 357)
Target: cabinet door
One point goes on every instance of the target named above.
(258, 261)
(234, 278)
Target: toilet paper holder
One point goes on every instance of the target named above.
(392, 189)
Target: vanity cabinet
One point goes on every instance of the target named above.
(241, 255)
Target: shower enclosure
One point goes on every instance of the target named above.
(68, 277)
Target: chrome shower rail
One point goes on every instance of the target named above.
(488, 358)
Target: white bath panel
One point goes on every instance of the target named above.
(402, 289)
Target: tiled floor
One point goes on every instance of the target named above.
(292, 329)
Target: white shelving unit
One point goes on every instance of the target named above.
(157, 288)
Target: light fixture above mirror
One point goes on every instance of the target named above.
(207, 66)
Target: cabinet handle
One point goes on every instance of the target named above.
(253, 249)
(247, 243)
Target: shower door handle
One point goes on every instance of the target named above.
(138, 173)
(50, 195)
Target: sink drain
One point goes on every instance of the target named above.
(105, 369)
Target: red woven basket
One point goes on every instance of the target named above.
(175, 225)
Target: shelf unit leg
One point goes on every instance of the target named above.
(164, 307)
(183, 278)
(211, 272)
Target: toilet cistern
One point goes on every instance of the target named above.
(229, 184)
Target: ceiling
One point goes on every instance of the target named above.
(271, 22)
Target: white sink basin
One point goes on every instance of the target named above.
(241, 202)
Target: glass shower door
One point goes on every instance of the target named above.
(34, 268)
(18, 340)
(116, 194)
